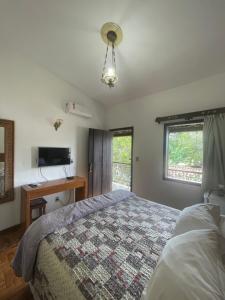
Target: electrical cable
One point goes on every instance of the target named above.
(65, 171)
(41, 173)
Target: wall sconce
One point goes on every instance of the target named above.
(57, 123)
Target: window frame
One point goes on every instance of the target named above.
(165, 154)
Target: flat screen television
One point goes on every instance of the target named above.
(48, 156)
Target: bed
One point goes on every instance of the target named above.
(108, 254)
(120, 246)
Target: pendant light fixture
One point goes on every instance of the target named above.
(111, 34)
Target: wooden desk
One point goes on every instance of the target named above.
(47, 188)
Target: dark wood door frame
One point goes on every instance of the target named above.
(124, 129)
(99, 162)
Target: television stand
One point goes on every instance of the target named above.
(29, 193)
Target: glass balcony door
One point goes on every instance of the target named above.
(122, 148)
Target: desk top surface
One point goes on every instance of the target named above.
(57, 182)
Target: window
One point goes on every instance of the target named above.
(183, 152)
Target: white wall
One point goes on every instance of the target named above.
(2, 135)
(148, 135)
(33, 98)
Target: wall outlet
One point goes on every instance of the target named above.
(57, 199)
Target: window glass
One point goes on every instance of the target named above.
(184, 152)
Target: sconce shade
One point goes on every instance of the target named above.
(57, 124)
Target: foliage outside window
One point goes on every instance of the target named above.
(183, 157)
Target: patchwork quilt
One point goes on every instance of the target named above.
(109, 254)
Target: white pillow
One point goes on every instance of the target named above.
(190, 268)
(199, 216)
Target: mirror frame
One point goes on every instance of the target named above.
(8, 159)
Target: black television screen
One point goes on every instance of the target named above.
(53, 156)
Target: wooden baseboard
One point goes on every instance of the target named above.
(11, 229)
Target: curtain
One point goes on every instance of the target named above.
(213, 152)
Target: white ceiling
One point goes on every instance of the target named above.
(166, 43)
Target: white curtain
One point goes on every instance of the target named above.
(213, 152)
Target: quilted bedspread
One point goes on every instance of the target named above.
(109, 254)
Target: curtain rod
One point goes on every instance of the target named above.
(191, 115)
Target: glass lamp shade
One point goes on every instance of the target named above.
(109, 77)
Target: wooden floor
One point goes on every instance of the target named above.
(11, 287)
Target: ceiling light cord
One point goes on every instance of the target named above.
(106, 56)
(113, 57)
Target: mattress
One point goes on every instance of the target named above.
(109, 254)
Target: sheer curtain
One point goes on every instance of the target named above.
(213, 152)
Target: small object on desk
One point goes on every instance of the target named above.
(32, 185)
(39, 203)
(70, 177)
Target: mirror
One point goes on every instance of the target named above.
(6, 160)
